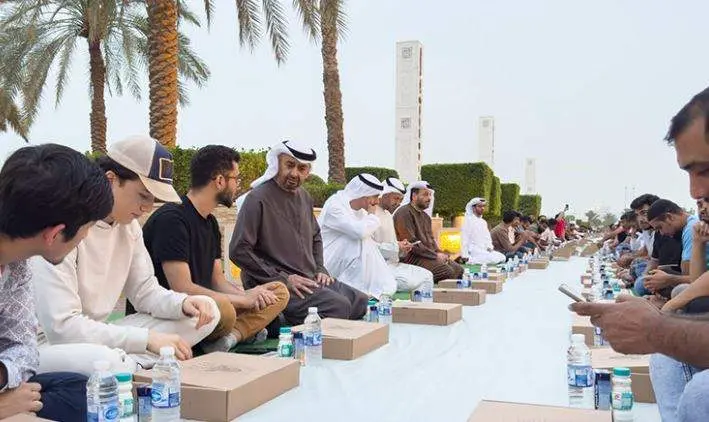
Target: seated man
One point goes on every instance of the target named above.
(185, 245)
(525, 224)
(503, 236)
(476, 243)
(277, 238)
(348, 222)
(408, 277)
(672, 221)
(76, 297)
(50, 195)
(548, 237)
(412, 222)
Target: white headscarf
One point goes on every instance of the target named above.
(363, 185)
(301, 153)
(421, 184)
(472, 203)
(392, 184)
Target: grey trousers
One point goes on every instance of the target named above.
(337, 300)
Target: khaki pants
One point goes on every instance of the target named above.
(249, 322)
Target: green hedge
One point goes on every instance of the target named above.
(380, 173)
(320, 192)
(530, 205)
(456, 184)
(510, 196)
(494, 202)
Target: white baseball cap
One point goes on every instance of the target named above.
(151, 161)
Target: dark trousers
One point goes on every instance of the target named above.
(440, 270)
(63, 396)
(337, 300)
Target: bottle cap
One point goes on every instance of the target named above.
(621, 372)
(578, 338)
(102, 365)
(285, 330)
(313, 310)
(167, 351)
(124, 377)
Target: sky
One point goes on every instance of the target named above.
(586, 88)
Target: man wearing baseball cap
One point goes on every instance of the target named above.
(76, 297)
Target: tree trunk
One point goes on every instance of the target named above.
(162, 70)
(333, 103)
(97, 69)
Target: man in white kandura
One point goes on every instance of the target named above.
(408, 277)
(476, 243)
(347, 222)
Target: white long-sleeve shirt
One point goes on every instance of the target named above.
(475, 236)
(75, 297)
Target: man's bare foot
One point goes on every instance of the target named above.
(23, 399)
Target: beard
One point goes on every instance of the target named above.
(225, 198)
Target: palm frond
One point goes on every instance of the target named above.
(191, 67)
(184, 14)
(182, 95)
(309, 16)
(248, 13)
(277, 28)
(64, 67)
(10, 115)
(209, 11)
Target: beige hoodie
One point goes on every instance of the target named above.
(75, 297)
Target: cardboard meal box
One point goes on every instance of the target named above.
(490, 286)
(498, 276)
(537, 264)
(562, 254)
(582, 325)
(222, 386)
(349, 340)
(448, 284)
(498, 411)
(607, 358)
(589, 250)
(465, 297)
(24, 418)
(426, 313)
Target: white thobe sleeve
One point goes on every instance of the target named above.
(342, 221)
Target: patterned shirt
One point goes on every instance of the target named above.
(18, 324)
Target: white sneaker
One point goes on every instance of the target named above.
(223, 344)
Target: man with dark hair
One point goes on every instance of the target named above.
(277, 238)
(548, 237)
(412, 222)
(637, 327)
(504, 239)
(76, 297)
(185, 245)
(50, 196)
(635, 264)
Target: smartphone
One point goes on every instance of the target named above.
(416, 242)
(570, 293)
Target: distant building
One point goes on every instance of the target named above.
(486, 140)
(409, 96)
(530, 176)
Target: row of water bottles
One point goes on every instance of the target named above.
(305, 346)
(109, 397)
(589, 389)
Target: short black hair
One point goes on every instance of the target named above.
(526, 219)
(642, 200)
(416, 190)
(697, 107)
(551, 223)
(107, 163)
(662, 207)
(509, 216)
(628, 216)
(211, 161)
(47, 185)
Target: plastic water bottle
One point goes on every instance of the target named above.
(466, 278)
(483, 272)
(427, 291)
(125, 395)
(166, 387)
(313, 337)
(622, 395)
(285, 343)
(102, 394)
(580, 374)
(385, 304)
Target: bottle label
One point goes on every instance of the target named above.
(164, 397)
(109, 412)
(127, 406)
(314, 339)
(92, 415)
(580, 375)
(285, 350)
(623, 401)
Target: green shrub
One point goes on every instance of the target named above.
(315, 180)
(493, 220)
(510, 197)
(530, 205)
(320, 192)
(380, 173)
(456, 184)
(494, 202)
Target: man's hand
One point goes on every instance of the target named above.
(657, 280)
(371, 209)
(301, 285)
(628, 325)
(261, 297)
(198, 308)
(157, 340)
(442, 257)
(405, 247)
(625, 260)
(23, 399)
(324, 279)
(701, 232)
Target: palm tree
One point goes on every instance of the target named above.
(36, 35)
(10, 115)
(164, 17)
(330, 17)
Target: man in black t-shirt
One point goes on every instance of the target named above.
(184, 242)
(666, 250)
